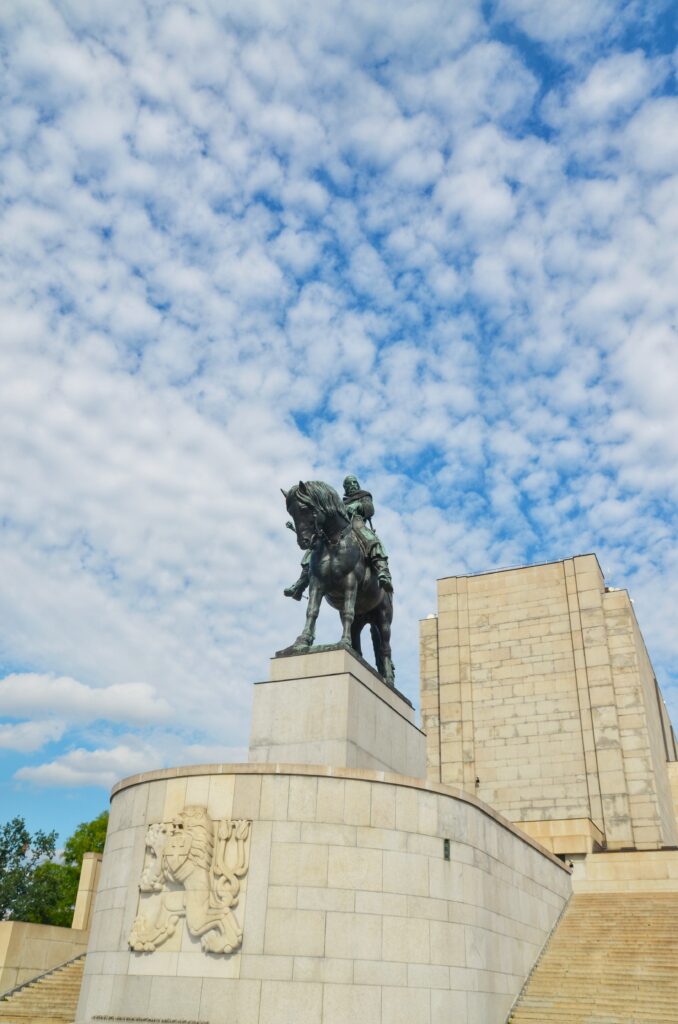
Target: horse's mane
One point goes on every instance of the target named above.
(320, 496)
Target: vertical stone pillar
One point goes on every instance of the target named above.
(450, 709)
(466, 687)
(644, 746)
(594, 659)
(584, 697)
(87, 890)
(430, 694)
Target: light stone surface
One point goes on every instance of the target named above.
(27, 950)
(673, 781)
(350, 907)
(632, 871)
(538, 695)
(567, 836)
(194, 872)
(88, 884)
(330, 708)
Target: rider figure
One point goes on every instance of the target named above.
(360, 508)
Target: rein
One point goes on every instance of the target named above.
(340, 536)
(320, 532)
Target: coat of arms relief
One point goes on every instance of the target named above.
(196, 865)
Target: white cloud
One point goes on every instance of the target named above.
(615, 85)
(29, 736)
(551, 21)
(105, 767)
(650, 137)
(28, 694)
(250, 244)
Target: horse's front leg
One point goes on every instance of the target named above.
(315, 596)
(348, 608)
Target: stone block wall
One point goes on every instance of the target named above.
(646, 744)
(673, 781)
(27, 950)
(349, 909)
(627, 871)
(331, 707)
(538, 696)
(87, 890)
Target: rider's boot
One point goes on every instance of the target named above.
(380, 563)
(298, 588)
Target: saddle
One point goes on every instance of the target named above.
(362, 542)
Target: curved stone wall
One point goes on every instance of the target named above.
(346, 902)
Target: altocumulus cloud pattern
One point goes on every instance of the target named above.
(434, 244)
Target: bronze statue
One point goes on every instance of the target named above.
(360, 506)
(344, 562)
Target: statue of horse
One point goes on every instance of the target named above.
(339, 571)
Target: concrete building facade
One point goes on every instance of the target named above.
(539, 697)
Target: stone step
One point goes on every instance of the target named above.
(614, 965)
(612, 960)
(545, 987)
(560, 1015)
(591, 999)
(563, 1013)
(50, 999)
(628, 1011)
(651, 1012)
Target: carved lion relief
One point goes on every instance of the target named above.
(196, 865)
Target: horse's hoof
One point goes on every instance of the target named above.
(295, 648)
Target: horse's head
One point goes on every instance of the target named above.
(311, 505)
(301, 509)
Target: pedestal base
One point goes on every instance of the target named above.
(362, 896)
(330, 707)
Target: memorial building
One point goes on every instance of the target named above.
(539, 697)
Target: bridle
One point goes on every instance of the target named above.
(339, 537)
(319, 531)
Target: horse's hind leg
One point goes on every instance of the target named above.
(376, 645)
(383, 625)
(348, 608)
(356, 630)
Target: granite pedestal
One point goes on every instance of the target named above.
(332, 708)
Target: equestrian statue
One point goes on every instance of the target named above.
(345, 562)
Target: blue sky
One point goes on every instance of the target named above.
(244, 243)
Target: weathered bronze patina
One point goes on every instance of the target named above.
(346, 563)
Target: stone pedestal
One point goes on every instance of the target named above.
(315, 887)
(360, 895)
(330, 707)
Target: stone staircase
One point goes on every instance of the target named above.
(51, 998)
(613, 959)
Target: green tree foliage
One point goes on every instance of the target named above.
(89, 837)
(51, 895)
(35, 888)
(20, 856)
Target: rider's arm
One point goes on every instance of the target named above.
(368, 508)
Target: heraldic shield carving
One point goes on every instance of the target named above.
(196, 865)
